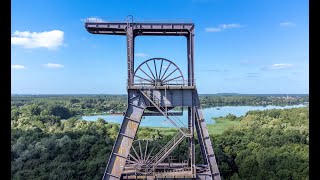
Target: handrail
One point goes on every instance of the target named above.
(177, 136)
(141, 82)
(166, 149)
(161, 111)
(155, 160)
(152, 97)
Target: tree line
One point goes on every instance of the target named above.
(101, 104)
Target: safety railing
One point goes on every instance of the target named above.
(174, 119)
(141, 82)
(163, 153)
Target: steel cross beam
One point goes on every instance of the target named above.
(134, 29)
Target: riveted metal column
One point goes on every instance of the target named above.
(192, 148)
(189, 138)
(126, 135)
(190, 52)
(130, 53)
(192, 55)
(189, 59)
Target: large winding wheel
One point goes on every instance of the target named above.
(140, 154)
(158, 72)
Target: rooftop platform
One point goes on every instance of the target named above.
(139, 28)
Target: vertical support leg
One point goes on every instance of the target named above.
(189, 138)
(130, 53)
(191, 55)
(193, 150)
(205, 142)
(190, 52)
(125, 138)
(191, 123)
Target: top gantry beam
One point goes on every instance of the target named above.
(132, 29)
(154, 29)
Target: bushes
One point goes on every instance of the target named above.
(231, 117)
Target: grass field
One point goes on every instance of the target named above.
(219, 127)
(166, 130)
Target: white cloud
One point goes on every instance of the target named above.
(47, 39)
(213, 29)
(92, 19)
(17, 66)
(51, 65)
(141, 55)
(287, 24)
(278, 66)
(228, 26)
(222, 27)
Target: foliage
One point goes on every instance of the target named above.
(270, 144)
(48, 141)
(208, 101)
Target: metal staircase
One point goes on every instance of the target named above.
(164, 152)
(172, 144)
(156, 103)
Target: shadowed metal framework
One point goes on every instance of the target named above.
(155, 87)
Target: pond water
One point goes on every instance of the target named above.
(208, 113)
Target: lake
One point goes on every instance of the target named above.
(208, 113)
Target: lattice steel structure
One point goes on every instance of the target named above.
(154, 88)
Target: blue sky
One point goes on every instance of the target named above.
(245, 46)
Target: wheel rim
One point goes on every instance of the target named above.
(141, 152)
(158, 72)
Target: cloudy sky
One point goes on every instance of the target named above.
(242, 46)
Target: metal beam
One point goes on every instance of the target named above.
(123, 143)
(133, 29)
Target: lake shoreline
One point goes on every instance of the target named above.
(209, 115)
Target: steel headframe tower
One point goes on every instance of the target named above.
(154, 91)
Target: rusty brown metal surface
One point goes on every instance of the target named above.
(125, 138)
(157, 88)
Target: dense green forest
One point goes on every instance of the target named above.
(80, 104)
(48, 141)
(208, 101)
(269, 144)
